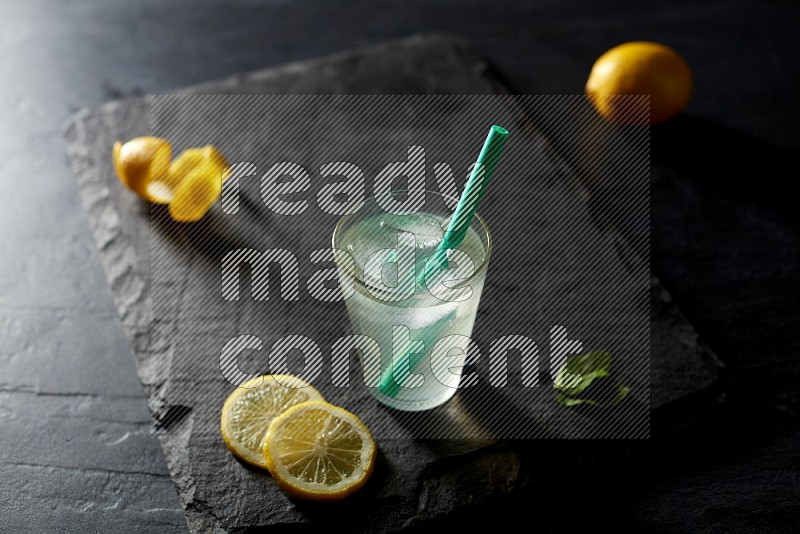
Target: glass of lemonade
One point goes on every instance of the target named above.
(420, 323)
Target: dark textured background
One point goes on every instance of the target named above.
(76, 448)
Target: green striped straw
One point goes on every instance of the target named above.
(397, 373)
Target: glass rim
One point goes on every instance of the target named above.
(337, 231)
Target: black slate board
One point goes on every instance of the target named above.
(415, 480)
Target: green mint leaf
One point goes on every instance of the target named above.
(578, 372)
(586, 379)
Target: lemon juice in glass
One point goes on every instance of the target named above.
(415, 317)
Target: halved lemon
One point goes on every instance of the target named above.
(199, 173)
(249, 410)
(190, 185)
(319, 452)
(142, 165)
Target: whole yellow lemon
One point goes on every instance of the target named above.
(639, 68)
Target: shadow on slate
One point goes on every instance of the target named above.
(415, 481)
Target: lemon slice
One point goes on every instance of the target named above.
(250, 409)
(318, 451)
(142, 165)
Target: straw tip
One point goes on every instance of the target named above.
(499, 130)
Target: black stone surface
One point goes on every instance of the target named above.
(723, 250)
